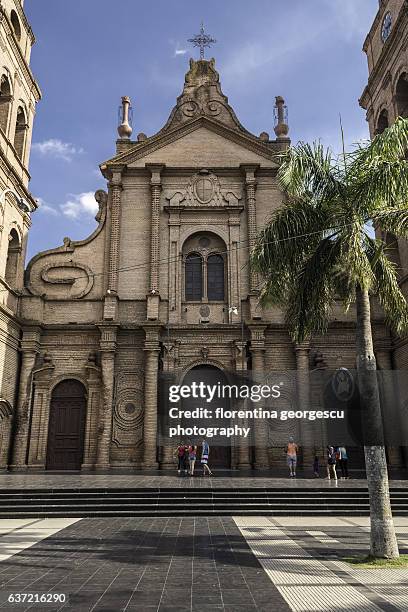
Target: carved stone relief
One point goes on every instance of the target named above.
(204, 189)
(127, 429)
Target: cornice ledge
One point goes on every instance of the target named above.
(161, 140)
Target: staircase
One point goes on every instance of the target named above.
(41, 503)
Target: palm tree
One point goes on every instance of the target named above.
(317, 249)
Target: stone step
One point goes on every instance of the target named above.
(183, 513)
(193, 502)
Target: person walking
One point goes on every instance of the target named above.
(331, 463)
(180, 458)
(291, 456)
(205, 452)
(343, 461)
(192, 456)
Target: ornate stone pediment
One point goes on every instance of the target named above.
(202, 96)
(204, 189)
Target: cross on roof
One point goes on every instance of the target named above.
(202, 40)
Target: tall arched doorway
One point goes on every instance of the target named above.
(66, 429)
(220, 448)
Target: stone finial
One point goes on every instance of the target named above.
(281, 118)
(125, 129)
(264, 136)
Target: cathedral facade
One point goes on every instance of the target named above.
(161, 287)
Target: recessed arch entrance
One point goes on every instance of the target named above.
(66, 429)
(220, 448)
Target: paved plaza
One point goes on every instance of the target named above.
(196, 564)
(169, 479)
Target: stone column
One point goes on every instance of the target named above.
(303, 393)
(241, 368)
(153, 299)
(110, 306)
(30, 346)
(108, 349)
(37, 456)
(234, 294)
(94, 380)
(170, 362)
(258, 370)
(392, 410)
(250, 188)
(152, 350)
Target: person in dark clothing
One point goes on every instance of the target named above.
(331, 463)
(343, 461)
(180, 454)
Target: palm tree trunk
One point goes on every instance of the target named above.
(383, 539)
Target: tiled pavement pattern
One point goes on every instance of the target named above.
(18, 534)
(173, 564)
(301, 557)
(229, 479)
(144, 565)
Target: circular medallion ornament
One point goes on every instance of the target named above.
(204, 190)
(205, 311)
(386, 26)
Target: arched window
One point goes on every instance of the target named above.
(402, 95)
(13, 254)
(5, 101)
(382, 123)
(21, 129)
(215, 278)
(194, 277)
(16, 24)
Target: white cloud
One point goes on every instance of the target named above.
(54, 147)
(45, 208)
(180, 51)
(79, 205)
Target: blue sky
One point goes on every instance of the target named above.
(89, 53)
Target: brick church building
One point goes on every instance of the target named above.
(163, 286)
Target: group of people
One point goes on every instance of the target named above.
(335, 455)
(186, 455)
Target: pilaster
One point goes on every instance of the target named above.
(249, 171)
(151, 350)
(241, 368)
(392, 411)
(30, 346)
(110, 306)
(93, 377)
(258, 370)
(42, 377)
(153, 299)
(302, 351)
(108, 349)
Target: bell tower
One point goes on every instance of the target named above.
(19, 94)
(385, 98)
(386, 95)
